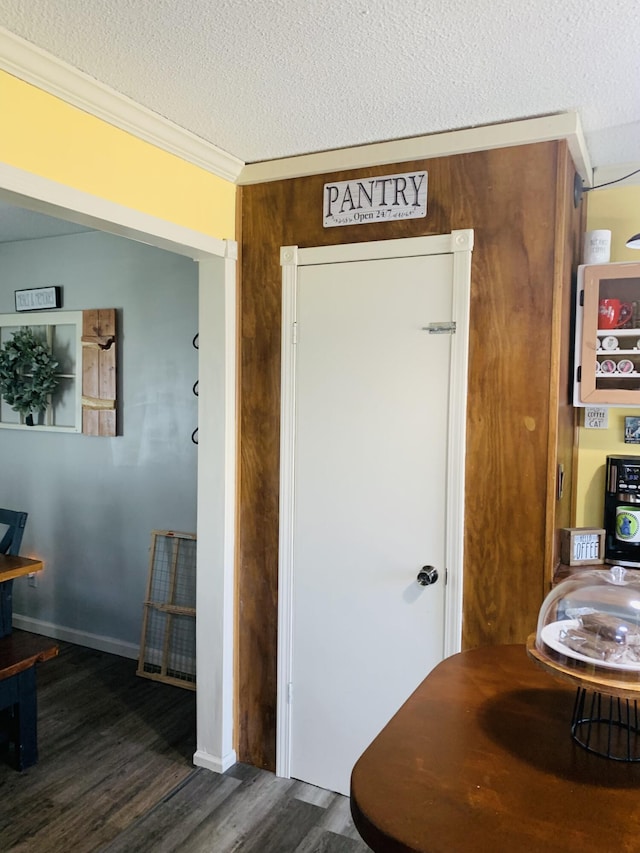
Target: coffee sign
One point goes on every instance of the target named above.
(375, 199)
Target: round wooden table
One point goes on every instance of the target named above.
(480, 758)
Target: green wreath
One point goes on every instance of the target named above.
(27, 373)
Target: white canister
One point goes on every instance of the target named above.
(628, 523)
(597, 247)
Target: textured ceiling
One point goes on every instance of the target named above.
(263, 79)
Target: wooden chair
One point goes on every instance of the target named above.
(19, 654)
(9, 544)
(15, 523)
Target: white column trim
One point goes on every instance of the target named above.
(289, 260)
(462, 247)
(216, 512)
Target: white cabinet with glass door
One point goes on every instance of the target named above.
(607, 350)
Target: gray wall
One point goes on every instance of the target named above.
(93, 502)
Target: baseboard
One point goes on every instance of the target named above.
(80, 638)
(214, 762)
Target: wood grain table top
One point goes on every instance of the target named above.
(480, 758)
(21, 650)
(15, 567)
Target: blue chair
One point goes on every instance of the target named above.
(15, 523)
(19, 654)
(9, 544)
(18, 708)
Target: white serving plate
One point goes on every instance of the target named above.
(550, 635)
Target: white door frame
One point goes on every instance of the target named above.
(216, 433)
(460, 244)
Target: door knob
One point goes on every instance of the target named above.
(427, 575)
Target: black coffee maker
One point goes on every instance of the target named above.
(622, 511)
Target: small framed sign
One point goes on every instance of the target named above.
(632, 430)
(596, 417)
(581, 546)
(38, 298)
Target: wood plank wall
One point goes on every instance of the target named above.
(512, 198)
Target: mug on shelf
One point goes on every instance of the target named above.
(610, 342)
(613, 313)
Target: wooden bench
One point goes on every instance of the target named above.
(20, 651)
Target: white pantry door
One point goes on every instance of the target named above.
(366, 494)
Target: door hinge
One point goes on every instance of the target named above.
(289, 693)
(440, 328)
(294, 339)
(446, 576)
(582, 298)
(580, 373)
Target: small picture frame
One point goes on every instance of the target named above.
(632, 430)
(38, 298)
(581, 546)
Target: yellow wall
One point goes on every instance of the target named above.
(45, 136)
(617, 209)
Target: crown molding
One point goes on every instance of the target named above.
(506, 134)
(34, 65)
(40, 68)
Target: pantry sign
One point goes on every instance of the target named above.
(376, 199)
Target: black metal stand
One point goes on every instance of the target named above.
(606, 725)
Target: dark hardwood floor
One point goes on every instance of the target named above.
(115, 775)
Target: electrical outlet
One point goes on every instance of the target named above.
(33, 579)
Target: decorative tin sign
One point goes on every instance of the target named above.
(596, 417)
(376, 199)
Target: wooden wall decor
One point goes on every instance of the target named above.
(520, 424)
(99, 378)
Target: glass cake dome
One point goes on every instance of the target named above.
(591, 621)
